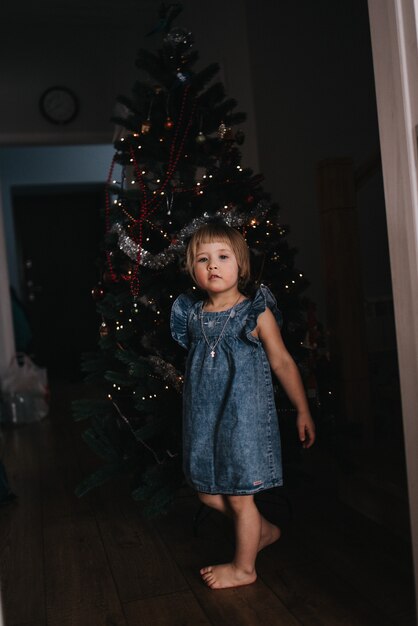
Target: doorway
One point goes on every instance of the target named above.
(58, 231)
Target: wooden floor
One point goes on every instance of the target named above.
(93, 561)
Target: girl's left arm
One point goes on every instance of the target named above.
(287, 372)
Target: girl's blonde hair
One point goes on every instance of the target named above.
(219, 231)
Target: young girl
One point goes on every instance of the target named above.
(231, 440)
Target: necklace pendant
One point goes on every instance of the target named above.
(212, 354)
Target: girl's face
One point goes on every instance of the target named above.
(215, 267)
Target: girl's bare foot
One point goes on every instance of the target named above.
(269, 534)
(226, 575)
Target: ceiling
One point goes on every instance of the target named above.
(76, 11)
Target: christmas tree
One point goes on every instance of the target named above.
(177, 164)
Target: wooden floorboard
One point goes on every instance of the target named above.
(80, 588)
(79, 585)
(372, 561)
(140, 563)
(316, 595)
(174, 609)
(32, 624)
(21, 532)
(60, 470)
(66, 561)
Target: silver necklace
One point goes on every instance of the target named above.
(212, 348)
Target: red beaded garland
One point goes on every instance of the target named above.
(150, 205)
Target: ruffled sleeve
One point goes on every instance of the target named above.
(179, 319)
(262, 299)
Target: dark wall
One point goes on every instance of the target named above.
(314, 93)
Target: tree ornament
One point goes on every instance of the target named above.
(225, 132)
(98, 292)
(183, 77)
(168, 124)
(104, 329)
(221, 130)
(201, 138)
(146, 127)
(179, 38)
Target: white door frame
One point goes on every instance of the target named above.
(7, 344)
(393, 25)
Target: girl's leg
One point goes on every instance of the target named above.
(241, 571)
(215, 501)
(269, 532)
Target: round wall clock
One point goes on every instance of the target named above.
(59, 105)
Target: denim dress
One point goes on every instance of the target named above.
(231, 438)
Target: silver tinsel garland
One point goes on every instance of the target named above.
(172, 252)
(167, 372)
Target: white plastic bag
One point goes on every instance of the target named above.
(25, 391)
